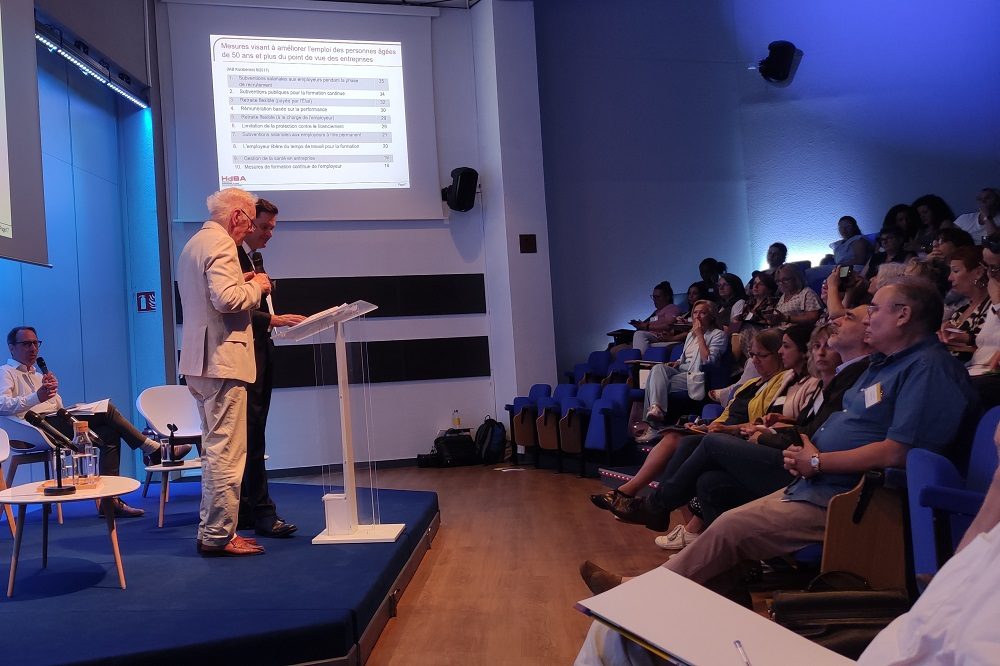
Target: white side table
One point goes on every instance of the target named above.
(164, 472)
(31, 493)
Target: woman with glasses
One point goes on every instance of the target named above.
(968, 279)
(891, 251)
(798, 303)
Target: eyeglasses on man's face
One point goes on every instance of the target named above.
(25, 344)
(249, 219)
(992, 269)
(872, 309)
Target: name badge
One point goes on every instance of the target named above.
(873, 395)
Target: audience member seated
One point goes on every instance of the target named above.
(913, 394)
(934, 215)
(969, 280)
(904, 218)
(985, 220)
(946, 242)
(732, 298)
(682, 324)
(749, 403)
(710, 269)
(796, 393)
(798, 303)
(654, 327)
(704, 344)
(842, 294)
(777, 255)
(985, 363)
(853, 249)
(757, 311)
(891, 251)
(24, 388)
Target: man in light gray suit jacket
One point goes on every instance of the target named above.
(217, 360)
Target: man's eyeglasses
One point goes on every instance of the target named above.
(29, 343)
(992, 269)
(250, 219)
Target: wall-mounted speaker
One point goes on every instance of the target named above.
(461, 194)
(781, 61)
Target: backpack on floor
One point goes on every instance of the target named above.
(491, 441)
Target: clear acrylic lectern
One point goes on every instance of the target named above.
(341, 509)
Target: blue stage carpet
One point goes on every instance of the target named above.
(296, 603)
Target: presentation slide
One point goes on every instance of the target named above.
(308, 114)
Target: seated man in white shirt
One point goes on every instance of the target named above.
(985, 220)
(23, 388)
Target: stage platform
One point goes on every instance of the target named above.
(298, 603)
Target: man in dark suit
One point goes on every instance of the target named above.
(257, 509)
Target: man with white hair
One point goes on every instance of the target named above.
(217, 360)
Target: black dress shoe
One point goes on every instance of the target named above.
(275, 527)
(155, 458)
(639, 511)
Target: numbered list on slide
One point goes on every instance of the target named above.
(300, 114)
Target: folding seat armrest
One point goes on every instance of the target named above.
(952, 500)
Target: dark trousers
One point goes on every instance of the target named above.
(722, 471)
(112, 428)
(255, 501)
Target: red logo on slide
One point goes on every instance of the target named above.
(233, 179)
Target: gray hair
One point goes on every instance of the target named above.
(222, 203)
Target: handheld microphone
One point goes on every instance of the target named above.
(258, 262)
(94, 439)
(46, 427)
(40, 362)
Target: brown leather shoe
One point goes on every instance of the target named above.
(123, 510)
(597, 579)
(238, 547)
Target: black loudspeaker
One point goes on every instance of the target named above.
(461, 194)
(777, 66)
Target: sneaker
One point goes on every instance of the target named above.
(655, 414)
(676, 539)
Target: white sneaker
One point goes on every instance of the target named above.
(676, 539)
(651, 435)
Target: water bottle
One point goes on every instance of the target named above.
(456, 419)
(85, 456)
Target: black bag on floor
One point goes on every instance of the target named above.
(455, 448)
(839, 611)
(491, 442)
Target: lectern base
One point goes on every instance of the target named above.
(386, 533)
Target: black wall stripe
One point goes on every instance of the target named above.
(396, 295)
(387, 361)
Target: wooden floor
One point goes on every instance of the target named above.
(499, 584)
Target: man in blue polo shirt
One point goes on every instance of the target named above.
(914, 394)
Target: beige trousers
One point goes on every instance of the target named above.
(222, 404)
(759, 530)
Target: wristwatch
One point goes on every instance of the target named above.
(814, 463)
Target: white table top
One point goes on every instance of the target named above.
(189, 463)
(31, 493)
